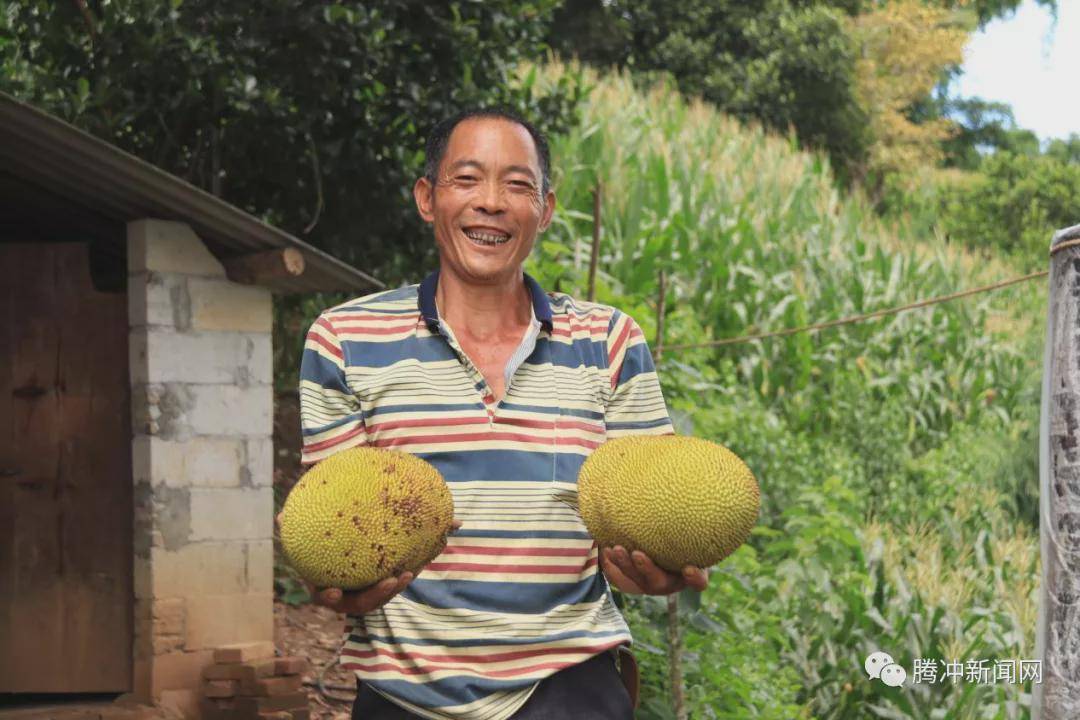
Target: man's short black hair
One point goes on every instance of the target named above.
(440, 138)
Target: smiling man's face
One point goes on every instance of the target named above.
(488, 204)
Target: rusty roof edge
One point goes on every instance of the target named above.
(210, 216)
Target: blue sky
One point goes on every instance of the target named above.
(1032, 64)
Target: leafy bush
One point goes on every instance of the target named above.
(1014, 203)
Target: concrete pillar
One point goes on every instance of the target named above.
(202, 409)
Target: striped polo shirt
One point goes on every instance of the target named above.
(517, 594)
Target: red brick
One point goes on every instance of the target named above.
(290, 665)
(243, 652)
(263, 687)
(240, 671)
(220, 688)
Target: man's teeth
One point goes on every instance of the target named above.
(486, 238)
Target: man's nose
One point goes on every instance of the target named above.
(491, 198)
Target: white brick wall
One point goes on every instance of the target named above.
(202, 408)
(231, 410)
(165, 355)
(232, 514)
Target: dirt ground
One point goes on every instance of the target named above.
(314, 633)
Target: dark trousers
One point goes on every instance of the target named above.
(592, 690)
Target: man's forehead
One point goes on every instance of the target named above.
(479, 139)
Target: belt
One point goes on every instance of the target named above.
(628, 671)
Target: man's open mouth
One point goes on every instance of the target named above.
(487, 236)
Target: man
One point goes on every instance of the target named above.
(506, 390)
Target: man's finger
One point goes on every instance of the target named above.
(456, 524)
(330, 597)
(366, 600)
(616, 576)
(626, 566)
(657, 579)
(696, 577)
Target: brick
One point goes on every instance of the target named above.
(223, 305)
(168, 246)
(291, 665)
(179, 670)
(232, 514)
(260, 461)
(244, 652)
(215, 620)
(243, 671)
(231, 410)
(220, 688)
(260, 566)
(281, 685)
(165, 355)
(199, 568)
(249, 706)
(185, 702)
(164, 644)
(168, 616)
(196, 462)
(155, 300)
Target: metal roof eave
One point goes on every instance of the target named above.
(46, 150)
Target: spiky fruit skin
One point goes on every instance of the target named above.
(680, 500)
(365, 514)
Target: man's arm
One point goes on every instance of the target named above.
(636, 407)
(332, 420)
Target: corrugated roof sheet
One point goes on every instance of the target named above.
(100, 178)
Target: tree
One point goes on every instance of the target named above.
(785, 64)
(906, 46)
(310, 113)
(1016, 201)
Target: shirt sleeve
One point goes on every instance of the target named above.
(331, 418)
(636, 404)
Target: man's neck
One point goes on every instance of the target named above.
(484, 312)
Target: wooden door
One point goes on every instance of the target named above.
(66, 609)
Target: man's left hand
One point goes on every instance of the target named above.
(636, 574)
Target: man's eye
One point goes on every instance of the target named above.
(466, 178)
(522, 184)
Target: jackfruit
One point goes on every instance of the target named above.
(680, 500)
(365, 514)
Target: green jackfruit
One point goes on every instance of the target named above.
(365, 514)
(680, 500)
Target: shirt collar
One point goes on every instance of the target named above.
(426, 300)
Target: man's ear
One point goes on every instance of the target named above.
(549, 210)
(424, 195)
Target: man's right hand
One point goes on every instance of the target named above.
(358, 602)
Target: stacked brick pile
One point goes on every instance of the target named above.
(246, 682)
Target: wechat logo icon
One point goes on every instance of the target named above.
(881, 666)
